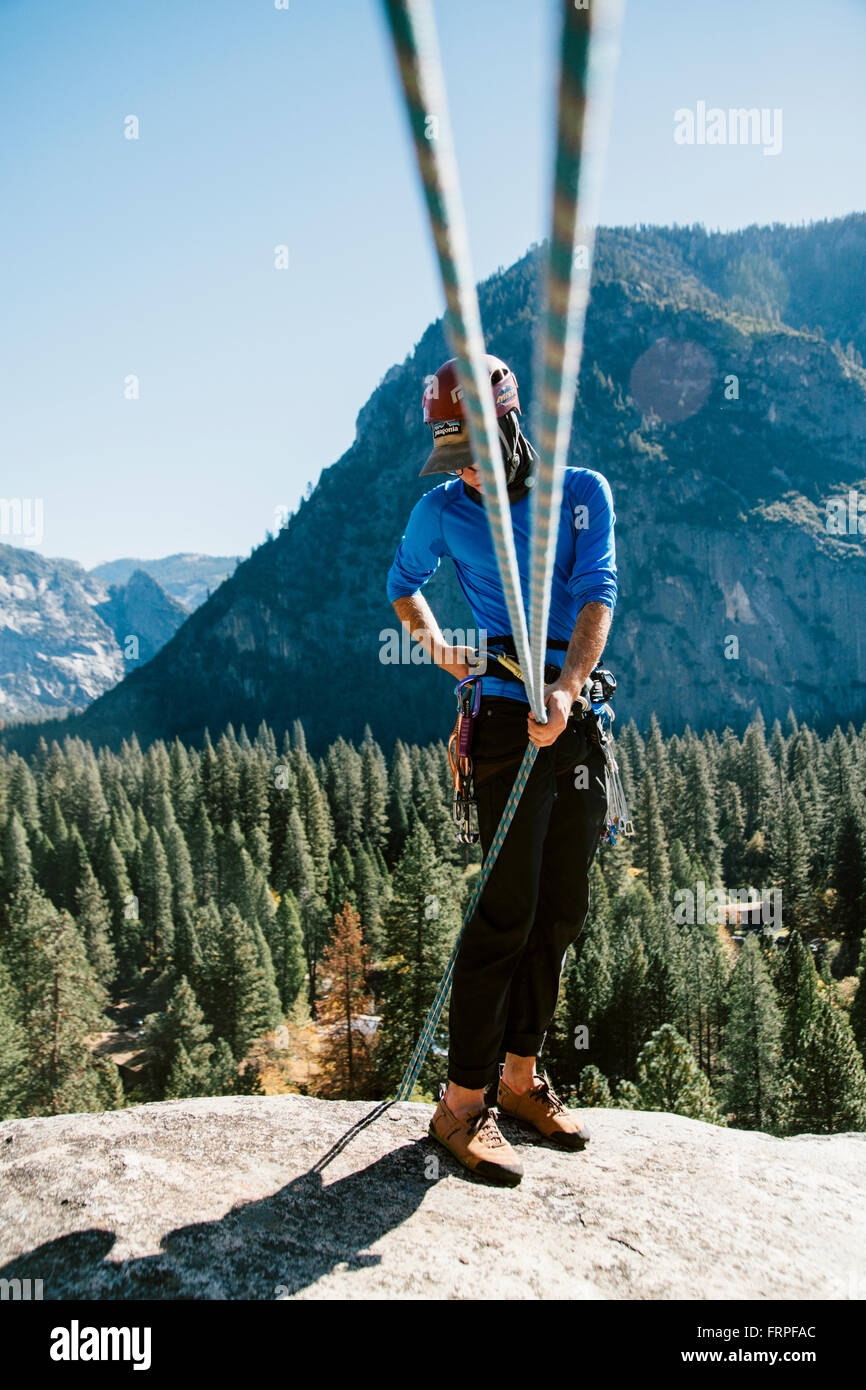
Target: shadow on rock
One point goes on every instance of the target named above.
(265, 1249)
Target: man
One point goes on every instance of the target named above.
(507, 973)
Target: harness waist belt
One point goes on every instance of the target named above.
(554, 644)
(502, 673)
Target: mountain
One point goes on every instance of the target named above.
(264, 1197)
(141, 609)
(723, 394)
(189, 577)
(65, 636)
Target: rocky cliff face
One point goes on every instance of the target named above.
(263, 1198)
(66, 637)
(142, 610)
(725, 430)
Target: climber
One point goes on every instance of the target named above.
(507, 973)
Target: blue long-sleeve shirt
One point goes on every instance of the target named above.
(446, 522)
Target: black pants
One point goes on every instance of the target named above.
(507, 972)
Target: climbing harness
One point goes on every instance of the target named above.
(587, 63)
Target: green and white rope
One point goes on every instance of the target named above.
(431, 1023)
(589, 51)
(414, 33)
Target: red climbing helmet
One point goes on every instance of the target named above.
(443, 412)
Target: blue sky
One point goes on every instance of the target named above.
(261, 127)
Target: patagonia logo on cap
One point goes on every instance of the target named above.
(442, 428)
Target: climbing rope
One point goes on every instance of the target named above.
(589, 51)
(584, 72)
(417, 50)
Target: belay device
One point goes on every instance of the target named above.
(597, 691)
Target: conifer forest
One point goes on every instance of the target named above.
(243, 917)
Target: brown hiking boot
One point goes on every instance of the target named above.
(475, 1141)
(543, 1110)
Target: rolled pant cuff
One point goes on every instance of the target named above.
(524, 1044)
(473, 1078)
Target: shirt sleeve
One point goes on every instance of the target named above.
(593, 578)
(420, 551)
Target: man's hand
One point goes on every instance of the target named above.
(557, 702)
(459, 662)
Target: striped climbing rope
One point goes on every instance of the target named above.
(588, 56)
(431, 1023)
(417, 50)
(589, 49)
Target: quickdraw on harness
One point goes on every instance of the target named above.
(464, 808)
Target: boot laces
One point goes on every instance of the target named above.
(547, 1096)
(486, 1129)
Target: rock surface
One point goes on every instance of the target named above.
(286, 1196)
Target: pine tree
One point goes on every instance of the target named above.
(369, 898)
(420, 923)
(797, 986)
(732, 832)
(669, 1078)
(682, 872)
(155, 907)
(188, 959)
(183, 789)
(93, 918)
(180, 1028)
(316, 820)
(626, 1021)
(752, 1055)
(828, 1094)
(203, 854)
(22, 796)
(224, 1072)
(344, 787)
(235, 992)
(345, 1054)
(60, 1009)
(16, 859)
(286, 941)
(13, 1049)
(127, 933)
(759, 778)
(399, 799)
(858, 1006)
(374, 791)
(650, 847)
(179, 866)
(699, 808)
(789, 856)
(702, 975)
(183, 1080)
(848, 876)
(593, 1090)
(657, 759)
